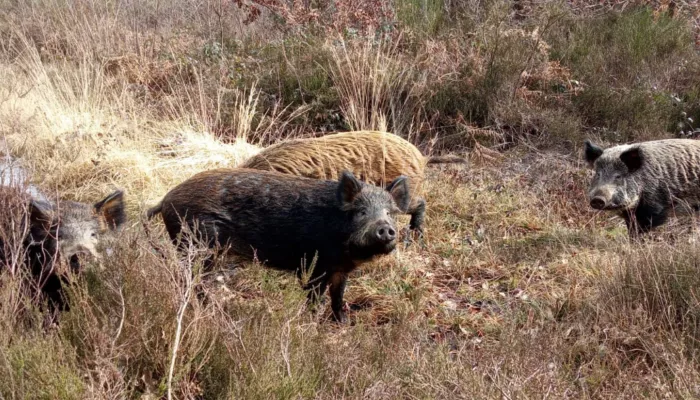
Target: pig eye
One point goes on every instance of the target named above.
(362, 213)
(93, 234)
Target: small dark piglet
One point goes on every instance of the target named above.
(286, 220)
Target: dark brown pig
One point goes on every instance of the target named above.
(285, 221)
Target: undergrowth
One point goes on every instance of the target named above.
(518, 290)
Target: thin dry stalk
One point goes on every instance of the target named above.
(187, 280)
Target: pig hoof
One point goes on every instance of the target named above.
(340, 317)
(416, 233)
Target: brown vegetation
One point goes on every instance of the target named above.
(518, 289)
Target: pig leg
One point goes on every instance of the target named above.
(53, 288)
(337, 290)
(644, 218)
(417, 212)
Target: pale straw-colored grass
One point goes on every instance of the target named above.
(81, 137)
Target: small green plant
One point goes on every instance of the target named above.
(213, 51)
(425, 17)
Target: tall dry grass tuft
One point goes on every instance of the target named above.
(378, 89)
(244, 122)
(82, 133)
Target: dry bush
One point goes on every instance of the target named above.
(488, 79)
(655, 284)
(378, 90)
(362, 16)
(639, 330)
(641, 53)
(145, 323)
(14, 229)
(30, 360)
(13, 223)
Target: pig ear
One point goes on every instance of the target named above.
(39, 214)
(111, 208)
(592, 152)
(399, 190)
(632, 158)
(348, 188)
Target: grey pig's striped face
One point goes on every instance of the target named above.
(614, 185)
(74, 229)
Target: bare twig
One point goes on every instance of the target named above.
(123, 317)
(189, 284)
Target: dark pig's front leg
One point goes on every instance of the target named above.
(338, 281)
(644, 218)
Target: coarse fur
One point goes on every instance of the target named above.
(646, 182)
(65, 231)
(374, 157)
(286, 221)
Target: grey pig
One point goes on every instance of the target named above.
(645, 182)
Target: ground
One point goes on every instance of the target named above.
(517, 290)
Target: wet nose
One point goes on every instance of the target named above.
(598, 203)
(386, 233)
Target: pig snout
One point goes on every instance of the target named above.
(385, 233)
(598, 203)
(603, 202)
(74, 262)
(77, 256)
(605, 197)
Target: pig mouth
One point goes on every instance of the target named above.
(76, 260)
(74, 263)
(368, 252)
(610, 207)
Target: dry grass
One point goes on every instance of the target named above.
(81, 137)
(377, 89)
(517, 291)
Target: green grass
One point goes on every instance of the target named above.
(625, 61)
(424, 17)
(518, 290)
